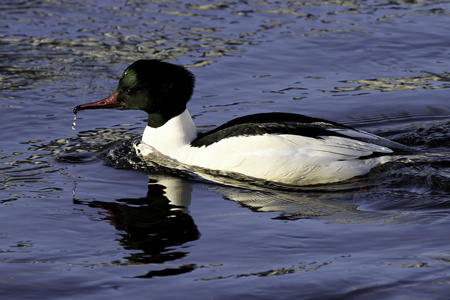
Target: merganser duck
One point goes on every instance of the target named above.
(284, 148)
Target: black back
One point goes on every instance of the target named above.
(269, 123)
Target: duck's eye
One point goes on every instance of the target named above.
(131, 92)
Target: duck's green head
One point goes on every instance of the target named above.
(161, 89)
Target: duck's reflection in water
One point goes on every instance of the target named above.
(154, 225)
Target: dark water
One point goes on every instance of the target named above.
(81, 217)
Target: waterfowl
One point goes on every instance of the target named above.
(283, 148)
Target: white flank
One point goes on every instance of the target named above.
(288, 159)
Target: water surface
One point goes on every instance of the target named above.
(81, 217)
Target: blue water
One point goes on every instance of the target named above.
(81, 217)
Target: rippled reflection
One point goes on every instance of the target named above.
(152, 226)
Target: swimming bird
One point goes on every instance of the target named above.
(284, 148)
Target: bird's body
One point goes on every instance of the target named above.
(280, 147)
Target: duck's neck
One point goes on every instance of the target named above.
(176, 132)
